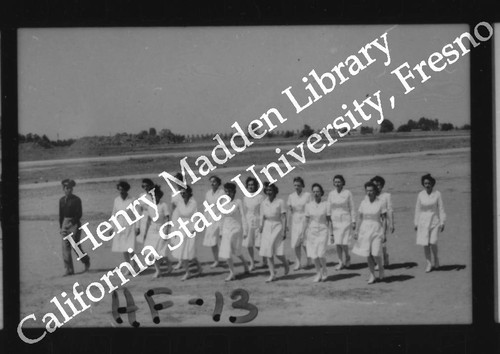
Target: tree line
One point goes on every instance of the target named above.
(151, 136)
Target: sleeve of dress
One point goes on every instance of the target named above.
(60, 213)
(261, 214)
(352, 208)
(244, 223)
(282, 206)
(389, 203)
(442, 214)
(417, 211)
(306, 211)
(360, 209)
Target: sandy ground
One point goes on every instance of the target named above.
(409, 295)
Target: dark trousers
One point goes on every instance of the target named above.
(69, 227)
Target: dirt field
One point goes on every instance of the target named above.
(408, 296)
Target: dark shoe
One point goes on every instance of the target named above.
(87, 266)
(68, 273)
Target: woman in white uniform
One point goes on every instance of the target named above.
(252, 216)
(317, 224)
(175, 200)
(343, 219)
(233, 230)
(369, 231)
(212, 232)
(273, 230)
(429, 220)
(147, 185)
(296, 204)
(389, 224)
(187, 250)
(153, 237)
(124, 240)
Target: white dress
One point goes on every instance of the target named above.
(153, 237)
(297, 203)
(212, 232)
(272, 233)
(175, 201)
(429, 216)
(233, 227)
(126, 239)
(187, 250)
(386, 198)
(252, 207)
(343, 215)
(317, 231)
(371, 232)
(145, 221)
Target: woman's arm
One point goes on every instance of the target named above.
(417, 212)
(442, 214)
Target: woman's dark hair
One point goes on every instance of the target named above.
(273, 187)
(124, 185)
(339, 177)
(371, 184)
(428, 177)
(299, 179)
(230, 187)
(179, 176)
(149, 182)
(320, 187)
(379, 180)
(158, 193)
(217, 179)
(188, 190)
(250, 179)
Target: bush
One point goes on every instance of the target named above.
(404, 128)
(307, 131)
(366, 130)
(465, 127)
(447, 126)
(386, 126)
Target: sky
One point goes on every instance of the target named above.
(76, 82)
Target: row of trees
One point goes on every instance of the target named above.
(151, 136)
(44, 140)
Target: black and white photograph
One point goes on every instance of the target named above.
(245, 176)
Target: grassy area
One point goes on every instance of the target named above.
(245, 159)
(32, 152)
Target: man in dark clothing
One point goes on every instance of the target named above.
(70, 213)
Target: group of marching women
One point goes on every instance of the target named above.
(312, 221)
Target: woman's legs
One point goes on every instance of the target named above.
(371, 266)
(347, 257)
(379, 261)
(157, 269)
(244, 262)
(230, 265)
(339, 254)
(252, 262)
(272, 273)
(285, 263)
(317, 265)
(198, 266)
(434, 251)
(215, 253)
(324, 274)
(427, 253)
(297, 257)
(185, 265)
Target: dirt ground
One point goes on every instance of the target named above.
(408, 296)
